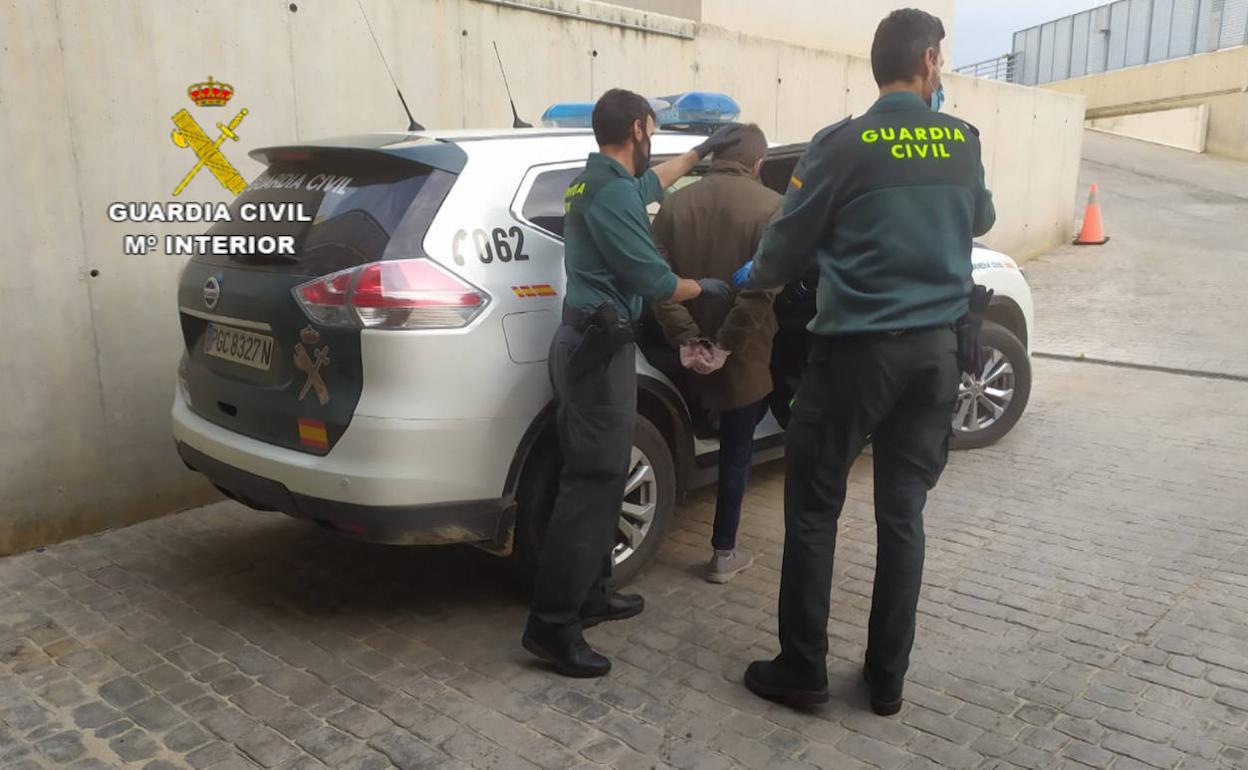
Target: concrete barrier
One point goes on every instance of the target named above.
(91, 334)
(1217, 80)
(1186, 128)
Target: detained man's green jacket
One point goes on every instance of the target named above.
(708, 230)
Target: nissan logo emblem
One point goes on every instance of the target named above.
(212, 292)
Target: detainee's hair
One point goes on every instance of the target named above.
(616, 112)
(751, 148)
(900, 42)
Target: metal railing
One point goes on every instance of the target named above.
(1127, 33)
(999, 68)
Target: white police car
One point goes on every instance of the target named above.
(389, 382)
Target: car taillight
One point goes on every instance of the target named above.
(397, 294)
(325, 299)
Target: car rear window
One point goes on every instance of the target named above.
(364, 208)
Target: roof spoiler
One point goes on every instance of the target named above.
(421, 150)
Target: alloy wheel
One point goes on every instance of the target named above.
(984, 398)
(638, 509)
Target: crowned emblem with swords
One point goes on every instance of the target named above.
(189, 134)
(311, 365)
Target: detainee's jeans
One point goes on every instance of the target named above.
(736, 453)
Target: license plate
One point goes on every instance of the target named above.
(254, 350)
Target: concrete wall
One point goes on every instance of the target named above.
(1219, 80)
(684, 9)
(834, 25)
(1186, 128)
(91, 339)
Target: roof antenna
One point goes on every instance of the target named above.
(412, 125)
(516, 121)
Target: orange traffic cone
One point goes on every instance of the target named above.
(1093, 232)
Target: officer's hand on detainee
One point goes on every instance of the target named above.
(720, 140)
(715, 288)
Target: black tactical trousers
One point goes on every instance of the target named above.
(899, 391)
(596, 416)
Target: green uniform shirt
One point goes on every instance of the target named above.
(609, 254)
(888, 205)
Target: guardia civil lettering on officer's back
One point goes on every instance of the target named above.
(920, 142)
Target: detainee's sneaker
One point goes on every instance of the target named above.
(725, 565)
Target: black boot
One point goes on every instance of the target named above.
(769, 679)
(618, 606)
(885, 701)
(565, 649)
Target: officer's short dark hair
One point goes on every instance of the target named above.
(900, 42)
(616, 112)
(751, 148)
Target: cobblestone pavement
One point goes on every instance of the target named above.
(1086, 604)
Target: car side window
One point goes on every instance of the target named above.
(544, 205)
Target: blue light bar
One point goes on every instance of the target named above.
(693, 109)
(697, 108)
(569, 115)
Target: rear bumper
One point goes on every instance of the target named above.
(486, 522)
(388, 481)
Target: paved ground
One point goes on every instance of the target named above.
(1086, 599)
(1169, 288)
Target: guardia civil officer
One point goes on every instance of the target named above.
(612, 267)
(887, 204)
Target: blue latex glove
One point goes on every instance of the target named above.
(743, 275)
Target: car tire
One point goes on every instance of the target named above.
(656, 494)
(997, 341)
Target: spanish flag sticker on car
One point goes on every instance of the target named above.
(537, 290)
(312, 434)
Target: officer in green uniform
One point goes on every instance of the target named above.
(613, 267)
(887, 204)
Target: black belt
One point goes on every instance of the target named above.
(914, 330)
(883, 334)
(582, 319)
